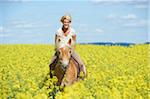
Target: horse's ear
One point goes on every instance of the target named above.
(69, 42)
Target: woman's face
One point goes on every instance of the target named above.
(66, 23)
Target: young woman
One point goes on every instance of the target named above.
(64, 34)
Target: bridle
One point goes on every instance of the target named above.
(64, 69)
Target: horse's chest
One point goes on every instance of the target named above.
(59, 72)
(66, 77)
(71, 72)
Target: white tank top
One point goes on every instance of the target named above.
(63, 40)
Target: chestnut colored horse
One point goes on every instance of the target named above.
(66, 68)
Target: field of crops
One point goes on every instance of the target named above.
(114, 72)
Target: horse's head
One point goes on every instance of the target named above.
(64, 54)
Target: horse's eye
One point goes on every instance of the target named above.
(58, 52)
(59, 40)
(70, 51)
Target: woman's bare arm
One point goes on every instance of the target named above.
(55, 38)
(74, 39)
(55, 41)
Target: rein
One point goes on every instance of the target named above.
(61, 63)
(65, 69)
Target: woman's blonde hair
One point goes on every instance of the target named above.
(68, 17)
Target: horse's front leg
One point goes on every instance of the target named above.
(52, 65)
(62, 84)
(65, 82)
(51, 70)
(51, 74)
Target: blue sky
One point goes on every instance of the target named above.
(36, 21)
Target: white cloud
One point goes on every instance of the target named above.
(26, 24)
(1, 29)
(18, 29)
(29, 25)
(137, 3)
(23, 35)
(129, 17)
(22, 29)
(112, 16)
(82, 27)
(34, 35)
(4, 29)
(123, 17)
(107, 1)
(98, 30)
(139, 23)
(21, 0)
(121, 1)
(6, 35)
(10, 0)
(3, 32)
(142, 6)
(129, 20)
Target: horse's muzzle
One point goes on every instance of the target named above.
(64, 68)
(65, 63)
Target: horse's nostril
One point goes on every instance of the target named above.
(65, 63)
(65, 67)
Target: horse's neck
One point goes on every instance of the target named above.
(73, 61)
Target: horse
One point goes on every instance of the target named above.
(66, 69)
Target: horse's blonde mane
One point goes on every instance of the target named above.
(61, 45)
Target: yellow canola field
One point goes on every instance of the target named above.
(114, 72)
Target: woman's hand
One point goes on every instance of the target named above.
(74, 37)
(74, 40)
